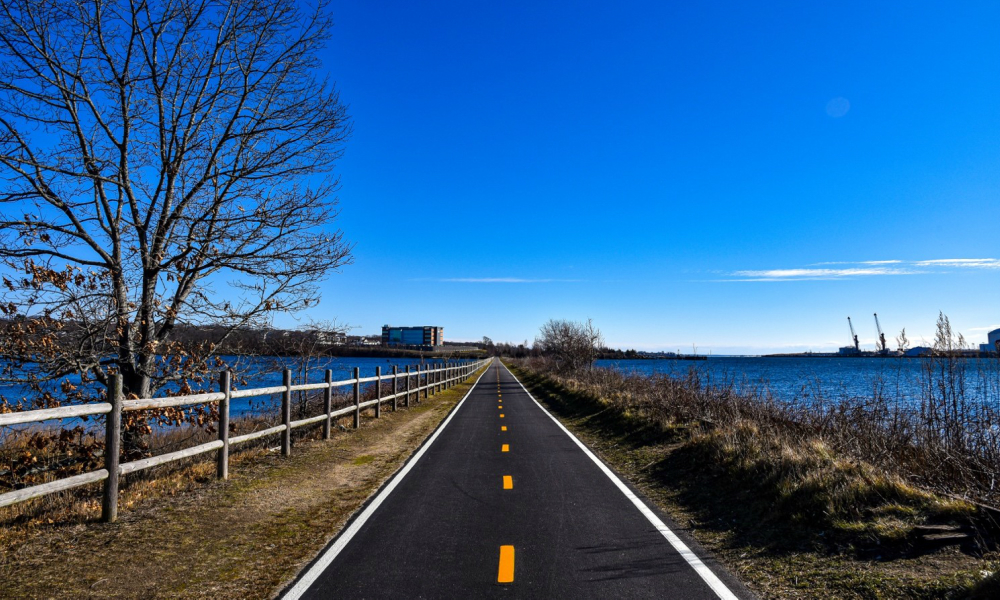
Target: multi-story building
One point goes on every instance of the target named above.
(427, 335)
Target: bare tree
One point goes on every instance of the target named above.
(164, 162)
(310, 344)
(573, 345)
(902, 342)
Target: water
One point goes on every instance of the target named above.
(798, 379)
(787, 378)
(266, 371)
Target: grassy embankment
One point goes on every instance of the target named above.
(183, 534)
(794, 517)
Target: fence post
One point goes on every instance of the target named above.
(406, 403)
(427, 382)
(378, 392)
(112, 449)
(225, 386)
(357, 398)
(328, 403)
(438, 376)
(395, 379)
(286, 413)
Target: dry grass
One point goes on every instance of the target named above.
(788, 511)
(183, 534)
(948, 440)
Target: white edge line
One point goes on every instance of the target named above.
(321, 564)
(692, 559)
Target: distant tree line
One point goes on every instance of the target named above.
(619, 354)
(522, 350)
(315, 339)
(569, 344)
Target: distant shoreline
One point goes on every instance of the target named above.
(874, 355)
(979, 355)
(374, 352)
(639, 356)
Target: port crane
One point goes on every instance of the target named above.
(881, 336)
(854, 336)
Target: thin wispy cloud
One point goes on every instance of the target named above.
(964, 263)
(814, 274)
(868, 268)
(863, 262)
(495, 280)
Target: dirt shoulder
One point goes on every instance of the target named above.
(778, 555)
(245, 537)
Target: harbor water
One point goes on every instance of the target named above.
(804, 379)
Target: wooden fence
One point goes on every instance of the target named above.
(428, 380)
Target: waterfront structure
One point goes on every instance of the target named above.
(993, 342)
(424, 335)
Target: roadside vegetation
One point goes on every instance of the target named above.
(832, 499)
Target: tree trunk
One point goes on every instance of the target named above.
(134, 384)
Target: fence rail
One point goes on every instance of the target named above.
(428, 381)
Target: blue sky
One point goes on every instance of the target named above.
(716, 174)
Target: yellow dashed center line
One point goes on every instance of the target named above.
(508, 482)
(501, 415)
(506, 572)
(505, 448)
(503, 428)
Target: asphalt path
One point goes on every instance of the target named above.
(502, 501)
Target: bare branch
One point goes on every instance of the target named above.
(165, 162)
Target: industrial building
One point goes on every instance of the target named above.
(427, 335)
(993, 342)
